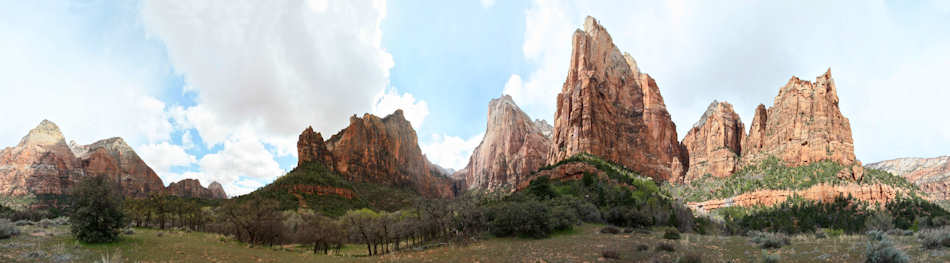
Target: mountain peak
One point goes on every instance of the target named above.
(46, 133)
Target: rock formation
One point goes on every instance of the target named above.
(40, 164)
(217, 191)
(874, 194)
(117, 161)
(513, 148)
(714, 142)
(803, 125)
(608, 108)
(192, 188)
(377, 150)
(932, 175)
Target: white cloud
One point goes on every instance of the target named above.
(389, 101)
(163, 156)
(450, 151)
(273, 67)
(243, 157)
(487, 3)
(187, 141)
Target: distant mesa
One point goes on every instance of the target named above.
(932, 175)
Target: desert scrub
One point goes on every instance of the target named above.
(768, 240)
(880, 249)
(671, 233)
(7, 229)
(935, 238)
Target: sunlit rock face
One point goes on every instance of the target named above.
(514, 146)
(714, 142)
(932, 175)
(608, 108)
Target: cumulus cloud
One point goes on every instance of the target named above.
(389, 101)
(745, 51)
(162, 157)
(451, 151)
(274, 66)
(242, 158)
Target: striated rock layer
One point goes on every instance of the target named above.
(932, 175)
(41, 163)
(803, 125)
(378, 150)
(513, 148)
(714, 142)
(117, 161)
(608, 108)
(874, 194)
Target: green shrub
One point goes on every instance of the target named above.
(96, 213)
(768, 240)
(563, 218)
(664, 246)
(935, 238)
(7, 229)
(526, 219)
(880, 221)
(671, 233)
(835, 233)
(609, 230)
(880, 249)
(691, 257)
(770, 258)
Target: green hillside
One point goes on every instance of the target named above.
(315, 187)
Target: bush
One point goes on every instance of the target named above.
(627, 217)
(610, 254)
(692, 257)
(668, 247)
(835, 233)
(526, 219)
(609, 230)
(672, 233)
(563, 218)
(880, 221)
(771, 258)
(935, 238)
(642, 247)
(96, 213)
(880, 249)
(768, 240)
(7, 229)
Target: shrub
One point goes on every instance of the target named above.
(768, 240)
(610, 254)
(563, 218)
(609, 230)
(96, 213)
(820, 234)
(7, 229)
(671, 233)
(880, 221)
(627, 217)
(527, 219)
(691, 257)
(770, 258)
(835, 233)
(880, 249)
(642, 247)
(935, 238)
(668, 247)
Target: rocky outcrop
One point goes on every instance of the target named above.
(190, 188)
(804, 125)
(378, 150)
(714, 142)
(217, 191)
(40, 164)
(608, 108)
(932, 175)
(873, 194)
(513, 148)
(117, 161)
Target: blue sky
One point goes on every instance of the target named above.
(219, 90)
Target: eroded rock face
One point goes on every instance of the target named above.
(714, 142)
(803, 125)
(40, 164)
(310, 148)
(513, 148)
(608, 108)
(873, 194)
(932, 175)
(217, 191)
(117, 161)
(379, 150)
(189, 188)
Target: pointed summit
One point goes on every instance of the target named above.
(46, 133)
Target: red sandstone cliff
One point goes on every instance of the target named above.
(714, 142)
(193, 189)
(117, 161)
(610, 109)
(514, 146)
(932, 175)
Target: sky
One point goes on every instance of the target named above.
(219, 90)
